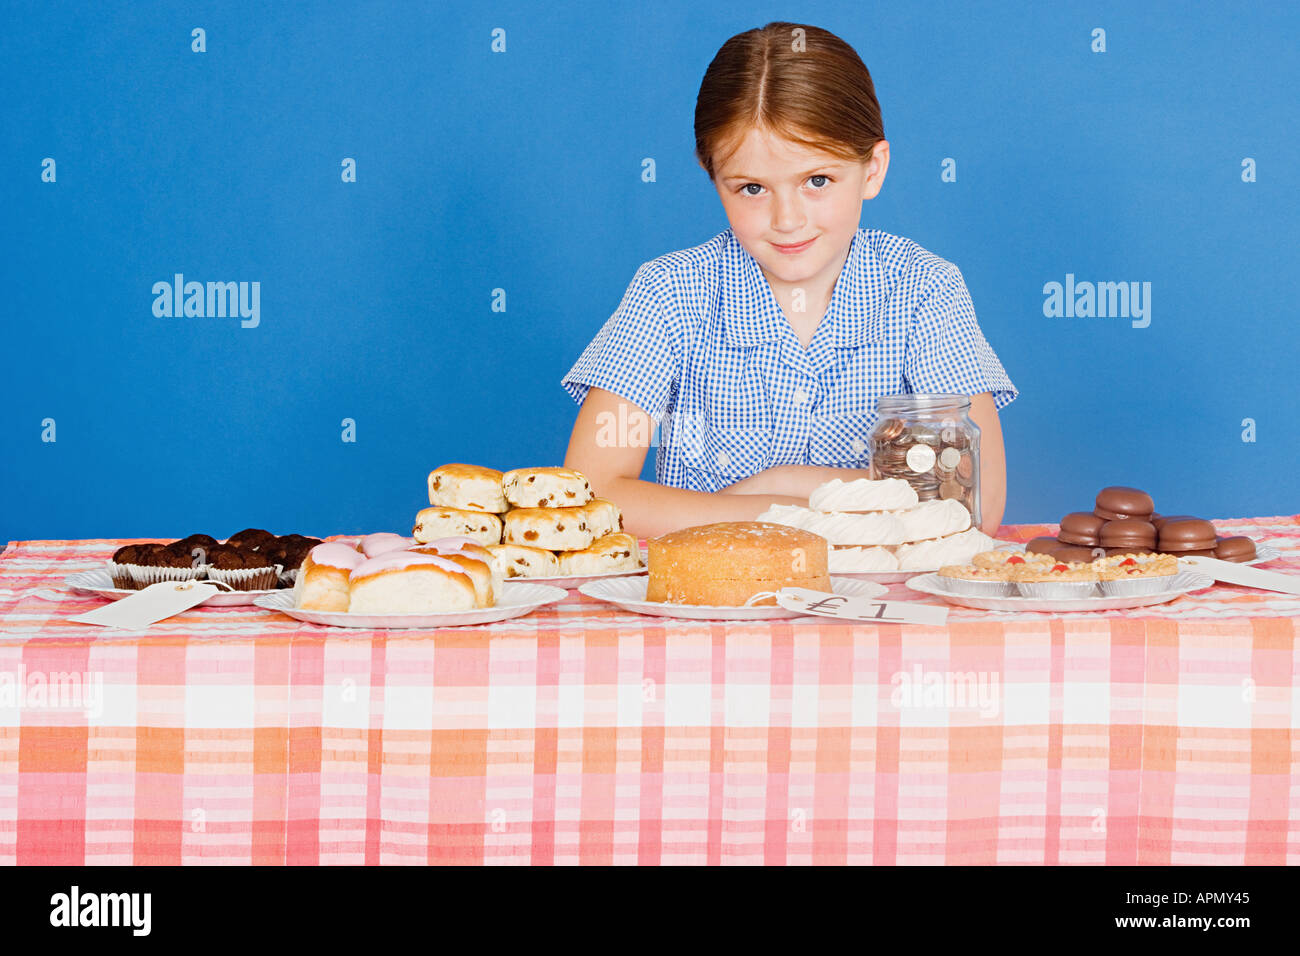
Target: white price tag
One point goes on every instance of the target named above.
(150, 605)
(1232, 573)
(861, 608)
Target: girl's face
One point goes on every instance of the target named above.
(779, 193)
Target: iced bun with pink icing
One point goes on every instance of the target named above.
(471, 557)
(324, 579)
(373, 545)
(406, 582)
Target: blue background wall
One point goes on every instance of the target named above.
(521, 170)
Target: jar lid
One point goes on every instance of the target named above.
(920, 402)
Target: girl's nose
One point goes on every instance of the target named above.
(787, 215)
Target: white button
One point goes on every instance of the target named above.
(723, 459)
(859, 446)
(800, 396)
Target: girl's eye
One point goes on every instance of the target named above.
(819, 182)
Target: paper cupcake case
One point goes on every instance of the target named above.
(137, 576)
(246, 579)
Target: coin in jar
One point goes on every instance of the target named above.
(948, 459)
(951, 489)
(965, 467)
(920, 458)
(926, 434)
(895, 466)
(889, 429)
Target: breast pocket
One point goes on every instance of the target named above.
(723, 456)
(842, 440)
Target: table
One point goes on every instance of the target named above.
(583, 734)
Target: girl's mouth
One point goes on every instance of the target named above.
(794, 249)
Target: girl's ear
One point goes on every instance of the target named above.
(876, 167)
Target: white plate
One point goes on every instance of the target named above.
(98, 581)
(559, 581)
(629, 594)
(515, 600)
(1263, 552)
(1182, 583)
(894, 577)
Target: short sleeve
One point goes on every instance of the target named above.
(633, 354)
(946, 351)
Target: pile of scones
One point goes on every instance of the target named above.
(482, 527)
(536, 522)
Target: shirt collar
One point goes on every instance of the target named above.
(752, 315)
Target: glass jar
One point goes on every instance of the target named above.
(931, 443)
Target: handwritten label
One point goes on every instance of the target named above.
(861, 608)
(1230, 572)
(150, 605)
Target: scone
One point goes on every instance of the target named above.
(556, 529)
(612, 552)
(402, 582)
(522, 561)
(434, 523)
(603, 517)
(546, 488)
(724, 564)
(469, 487)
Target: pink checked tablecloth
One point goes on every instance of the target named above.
(583, 734)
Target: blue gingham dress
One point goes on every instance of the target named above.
(700, 343)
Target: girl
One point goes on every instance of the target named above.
(761, 353)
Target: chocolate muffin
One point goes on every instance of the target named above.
(254, 538)
(242, 569)
(193, 553)
(290, 550)
(225, 558)
(129, 554)
(150, 563)
(205, 540)
(169, 556)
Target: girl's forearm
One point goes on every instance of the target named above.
(796, 481)
(651, 509)
(993, 497)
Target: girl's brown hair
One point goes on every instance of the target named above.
(801, 82)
